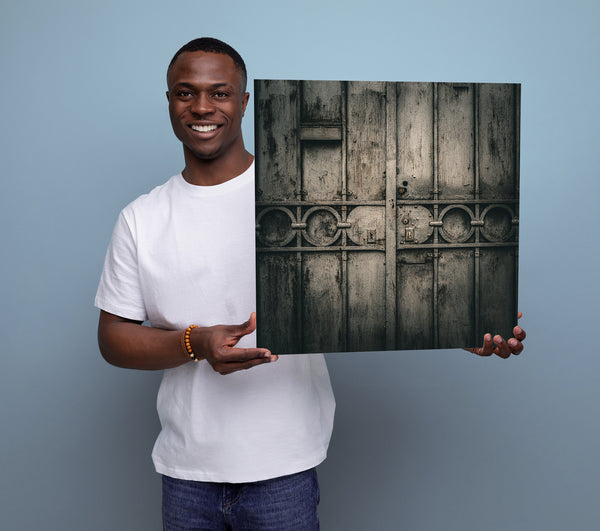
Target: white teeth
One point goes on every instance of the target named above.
(204, 128)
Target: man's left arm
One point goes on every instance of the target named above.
(497, 345)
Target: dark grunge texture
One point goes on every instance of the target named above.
(387, 214)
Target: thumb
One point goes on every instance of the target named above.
(246, 328)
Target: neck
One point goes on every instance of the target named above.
(202, 172)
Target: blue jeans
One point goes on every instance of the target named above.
(280, 504)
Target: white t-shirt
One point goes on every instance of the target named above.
(182, 255)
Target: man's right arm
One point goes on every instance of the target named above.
(126, 343)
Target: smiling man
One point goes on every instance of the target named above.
(237, 448)
(207, 100)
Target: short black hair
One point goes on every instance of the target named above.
(211, 45)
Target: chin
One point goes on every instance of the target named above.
(206, 156)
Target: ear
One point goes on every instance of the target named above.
(245, 98)
(168, 96)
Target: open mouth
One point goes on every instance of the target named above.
(204, 128)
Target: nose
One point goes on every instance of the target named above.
(202, 104)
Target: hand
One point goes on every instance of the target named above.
(216, 344)
(500, 347)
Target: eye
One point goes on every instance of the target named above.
(184, 94)
(220, 95)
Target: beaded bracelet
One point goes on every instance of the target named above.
(187, 344)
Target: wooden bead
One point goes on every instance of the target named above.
(188, 344)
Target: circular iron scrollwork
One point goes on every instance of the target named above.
(274, 226)
(456, 223)
(497, 223)
(413, 224)
(321, 225)
(367, 225)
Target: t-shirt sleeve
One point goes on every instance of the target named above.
(119, 291)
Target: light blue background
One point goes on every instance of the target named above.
(433, 440)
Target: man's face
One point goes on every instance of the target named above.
(206, 104)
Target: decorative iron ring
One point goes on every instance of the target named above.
(291, 233)
(327, 240)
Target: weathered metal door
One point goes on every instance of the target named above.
(387, 214)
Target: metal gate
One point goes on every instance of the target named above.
(387, 214)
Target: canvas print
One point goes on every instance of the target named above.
(386, 214)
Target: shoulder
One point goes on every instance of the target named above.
(152, 201)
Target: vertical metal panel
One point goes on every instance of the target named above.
(455, 297)
(497, 141)
(499, 154)
(455, 287)
(517, 172)
(477, 206)
(322, 302)
(391, 187)
(277, 275)
(366, 301)
(276, 126)
(322, 102)
(347, 319)
(390, 233)
(415, 133)
(415, 300)
(321, 170)
(455, 140)
(436, 196)
(497, 303)
(277, 178)
(366, 140)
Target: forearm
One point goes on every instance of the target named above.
(128, 344)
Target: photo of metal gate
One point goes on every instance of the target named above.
(386, 214)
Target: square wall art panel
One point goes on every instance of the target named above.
(386, 214)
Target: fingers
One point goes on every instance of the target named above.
(488, 345)
(230, 355)
(502, 349)
(217, 345)
(486, 350)
(519, 333)
(492, 346)
(498, 346)
(242, 366)
(516, 347)
(229, 360)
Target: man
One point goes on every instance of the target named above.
(237, 451)
(246, 444)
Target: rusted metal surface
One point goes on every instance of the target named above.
(387, 214)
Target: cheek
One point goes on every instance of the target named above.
(237, 113)
(176, 111)
(177, 121)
